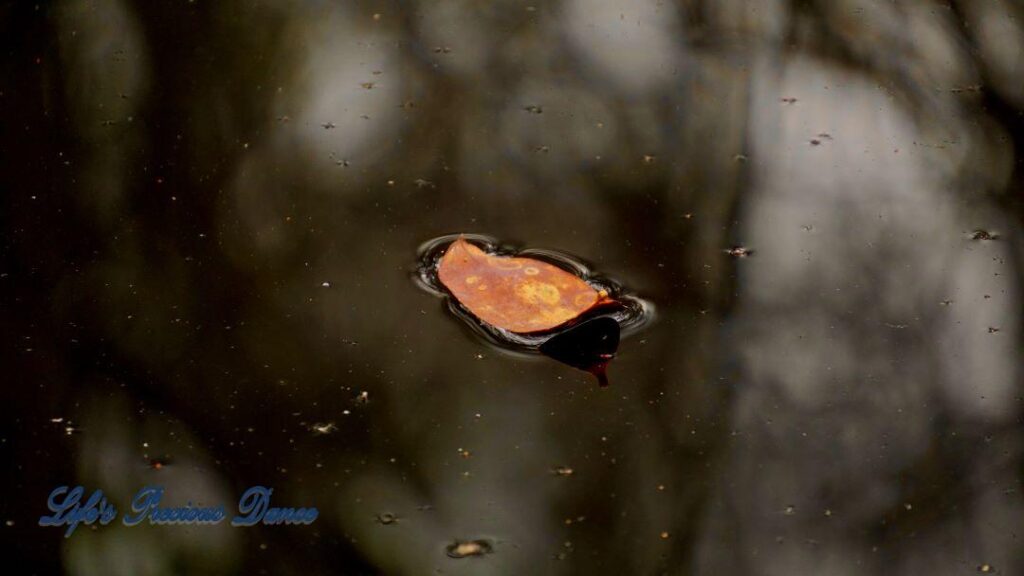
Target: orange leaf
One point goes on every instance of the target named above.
(521, 295)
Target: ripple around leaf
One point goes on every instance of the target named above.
(632, 312)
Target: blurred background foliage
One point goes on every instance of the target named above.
(211, 211)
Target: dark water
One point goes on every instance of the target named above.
(212, 277)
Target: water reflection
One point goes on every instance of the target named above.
(211, 210)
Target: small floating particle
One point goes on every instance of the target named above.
(387, 518)
(323, 429)
(466, 548)
(159, 463)
(980, 234)
(368, 85)
(739, 252)
(534, 109)
(649, 158)
(787, 100)
(985, 568)
(328, 125)
(993, 329)
(562, 471)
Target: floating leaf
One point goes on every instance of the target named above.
(521, 295)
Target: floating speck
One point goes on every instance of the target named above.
(739, 252)
(466, 548)
(980, 234)
(387, 518)
(562, 471)
(325, 284)
(329, 125)
(787, 100)
(985, 568)
(159, 463)
(790, 510)
(534, 109)
(421, 183)
(368, 85)
(649, 158)
(322, 429)
(993, 329)
(442, 50)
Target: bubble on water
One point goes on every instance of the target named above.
(467, 548)
(985, 568)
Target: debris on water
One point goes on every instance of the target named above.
(518, 294)
(993, 329)
(534, 109)
(815, 142)
(542, 149)
(466, 548)
(159, 463)
(325, 284)
(464, 453)
(740, 158)
(387, 518)
(985, 568)
(532, 301)
(664, 535)
(788, 100)
(562, 471)
(649, 158)
(324, 428)
(981, 234)
(825, 136)
(807, 227)
(790, 510)
(329, 125)
(442, 50)
(421, 183)
(739, 252)
(363, 397)
(368, 85)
